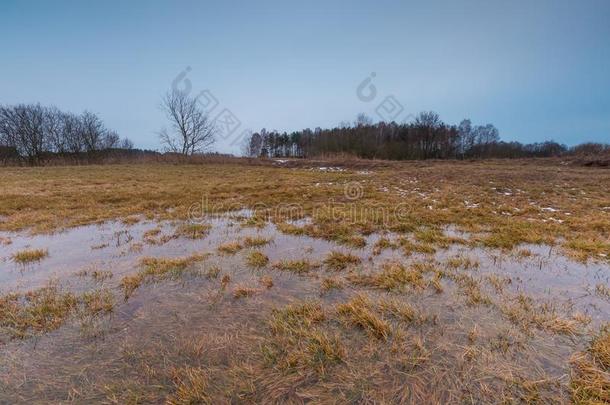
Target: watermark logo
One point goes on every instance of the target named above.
(366, 90)
(207, 101)
(389, 109)
(226, 123)
(181, 83)
(353, 191)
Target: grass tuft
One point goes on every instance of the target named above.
(392, 276)
(255, 241)
(294, 266)
(257, 259)
(243, 291)
(191, 387)
(590, 376)
(155, 268)
(30, 255)
(340, 261)
(330, 284)
(297, 341)
(359, 311)
(193, 231)
(230, 248)
(38, 311)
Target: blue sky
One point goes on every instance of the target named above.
(536, 69)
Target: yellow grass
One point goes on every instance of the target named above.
(257, 259)
(30, 255)
(90, 194)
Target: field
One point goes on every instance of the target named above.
(303, 281)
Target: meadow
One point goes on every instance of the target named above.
(306, 281)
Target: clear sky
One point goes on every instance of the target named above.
(537, 69)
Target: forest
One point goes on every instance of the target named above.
(426, 137)
(32, 133)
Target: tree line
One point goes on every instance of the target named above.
(34, 133)
(426, 137)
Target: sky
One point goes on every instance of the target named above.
(537, 70)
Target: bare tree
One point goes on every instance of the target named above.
(92, 131)
(126, 143)
(191, 130)
(23, 128)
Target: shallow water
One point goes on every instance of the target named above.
(82, 358)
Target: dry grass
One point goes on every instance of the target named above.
(191, 387)
(230, 248)
(359, 311)
(30, 255)
(526, 313)
(85, 195)
(462, 262)
(590, 378)
(434, 237)
(46, 309)
(398, 309)
(266, 281)
(39, 311)
(340, 261)
(409, 247)
(101, 275)
(295, 266)
(329, 284)
(498, 282)
(154, 268)
(382, 244)
(471, 288)
(255, 241)
(602, 290)
(212, 272)
(243, 291)
(299, 343)
(257, 259)
(376, 348)
(98, 301)
(393, 276)
(193, 231)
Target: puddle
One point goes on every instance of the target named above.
(81, 360)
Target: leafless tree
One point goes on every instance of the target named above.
(126, 143)
(191, 130)
(92, 131)
(23, 128)
(72, 133)
(31, 133)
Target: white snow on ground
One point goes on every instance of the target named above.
(330, 169)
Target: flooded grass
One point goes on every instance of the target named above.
(230, 248)
(30, 255)
(340, 261)
(256, 241)
(393, 276)
(153, 268)
(257, 259)
(590, 378)
(37, 311)
(193, 231)
(295, 266)
(458, 302)
(359, 311)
